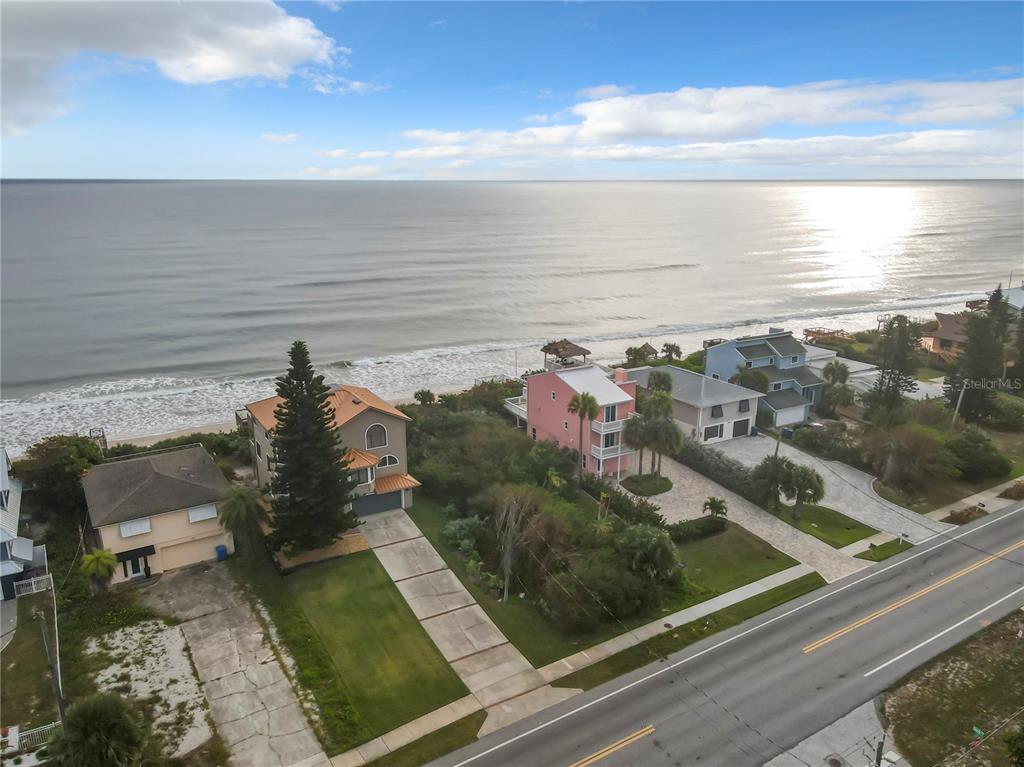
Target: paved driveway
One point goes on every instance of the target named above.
(686, 499)
(846, 489)
(251, 700)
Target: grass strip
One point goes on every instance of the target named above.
(885, 550)
(438, 743)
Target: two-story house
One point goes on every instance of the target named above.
(793, 388)
(544, 407)
(706, 409)
(373, 433)
(157, 511)
(20, 558)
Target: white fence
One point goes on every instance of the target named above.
(33, 585)
(39, 736)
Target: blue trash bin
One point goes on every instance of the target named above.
(222, 552)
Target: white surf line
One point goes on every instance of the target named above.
(945, 631)
(751, 630)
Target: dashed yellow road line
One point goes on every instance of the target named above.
(616, 746)
(908, 599)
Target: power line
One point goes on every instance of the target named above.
(953, 759)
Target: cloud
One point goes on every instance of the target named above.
(344, 154)
(326, 82)
(439, 23)
(280, 138)
(190, 43)
(603, 91)
(351, 172)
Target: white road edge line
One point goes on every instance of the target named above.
(945, 631)
(751, 630)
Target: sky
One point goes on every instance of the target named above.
(528, 90)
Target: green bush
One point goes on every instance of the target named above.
(835, 441)
(623, 505)
(599, 588)
(695, 529)
(647, 551)
(976, 455)
(218, 444)
(1007, 413)
(726, 471)
(466, 534)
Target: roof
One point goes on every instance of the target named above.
(951, 327)
(150, 484)
(769, 345)
(592, 380)
(10, 513)
(786, 345)
(360, 459)
(784, 398)
(394, 482)
(564, 348)
(802, 374)
(756, 351)
(818, 353)
(348, 402)
(1014, 297)
(696, 389)
(648, 350)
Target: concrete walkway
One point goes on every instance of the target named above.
(686, 499)
(989, 497)
(605, 649)
(847, 489)
(851, 740)
(498, 676)
(251, 699)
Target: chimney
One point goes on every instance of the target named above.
(620, 375)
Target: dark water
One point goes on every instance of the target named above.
(145, 307)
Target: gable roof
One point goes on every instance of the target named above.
(951, 327)
(769, 345)
(593, 380)
(348, 401)
(149, 484)
(802, 374)
(784, 398)
(696, 389)
(756, 351)
(1014, 297)
(564, 348)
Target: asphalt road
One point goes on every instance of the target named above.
(745, 695)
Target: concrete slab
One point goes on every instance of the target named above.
(435, 593)
(409, 558)
(850, 740)
(463, 632)
(526, 705)
(388, 527)
(373, 749)
(486, 668)
(435, 720)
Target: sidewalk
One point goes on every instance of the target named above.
(850, 740)
(988, 497)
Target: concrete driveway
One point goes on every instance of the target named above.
(251, 699)
(686, 499)
(847, 489)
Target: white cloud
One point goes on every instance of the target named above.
(603, 91)
(345, 154)
(439, 23)
(191, 43)
(351, 172)
(280, 138)
(326, 82)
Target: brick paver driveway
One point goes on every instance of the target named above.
(847, 490)
(686, 499)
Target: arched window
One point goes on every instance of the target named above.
(388, 460)
(376, 436)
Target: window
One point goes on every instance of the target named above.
(565, 425)
(552, 396)
(776, 386)
(135, 527)
(598, 466)
(611, 413)
(945, 344)
(201, 513)
(533, 433)
(771, 360)
(259, 450)
(716, 411)
(794, 358)
(376, 436)
(715, 376)
(750, 363)
(744, 406)
(611, 440)
(388, 460)
(364, 476)
(713, 432)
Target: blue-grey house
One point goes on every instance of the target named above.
(793, 388)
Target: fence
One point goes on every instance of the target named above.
(33, 585)
(39, 736)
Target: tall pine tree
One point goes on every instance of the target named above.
(897, 349)
(977, 370)
(313, 488)
(999, 317)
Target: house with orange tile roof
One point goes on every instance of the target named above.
(373, 432)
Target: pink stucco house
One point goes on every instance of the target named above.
(544, 407)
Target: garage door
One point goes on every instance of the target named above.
(790, 415)
(741, 428)
(189, 553)
(375, 503)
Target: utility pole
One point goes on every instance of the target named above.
(959, 401)
(879, 750)
(54, 674)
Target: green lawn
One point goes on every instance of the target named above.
(731, 559)
(925, 373)
(835, 529)
(673, 641)
(26, 688)
(436, 744)
(885, 550)
(390, 667)
(647, 484)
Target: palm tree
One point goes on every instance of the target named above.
(241, 511)
(804, 485)
(659, 380)
(584, 405)
(100, 731)
(769, 477)
(99, 566)
(657, 409)
(636, 436)
(516, 505)
(836, 372)
(671, 351)
(715, 506)
(666, 438)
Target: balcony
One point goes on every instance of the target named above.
(609, 427)
(610, 452)
(516, 406)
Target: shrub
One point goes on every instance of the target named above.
(1014, 492)
(976, 455)
(597, 588)
(696, 529)
(726, 471)
(466, 534)
(623, 505)
(907, 456)
(835, 441)
(647, 551)
(1006, 413)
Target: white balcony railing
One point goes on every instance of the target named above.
(516, 406)
(610, 452)
(607, 427)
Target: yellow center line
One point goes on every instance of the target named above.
(908, 599)
(616, 746)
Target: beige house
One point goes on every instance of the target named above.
(157, 511)
(372, 430)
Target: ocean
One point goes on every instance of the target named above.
(148, 307)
